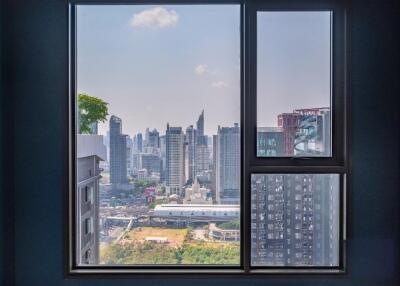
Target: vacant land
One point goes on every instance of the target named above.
(175, 236)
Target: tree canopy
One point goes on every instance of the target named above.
(91, 110)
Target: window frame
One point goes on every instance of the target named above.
(250, 163)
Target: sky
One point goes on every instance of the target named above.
(294, 71)
(159, 64)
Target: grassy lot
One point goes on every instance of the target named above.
(180, 250)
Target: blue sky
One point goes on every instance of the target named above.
(155, 64)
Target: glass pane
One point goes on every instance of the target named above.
(294, 84)
(294, 219)
(158, 141)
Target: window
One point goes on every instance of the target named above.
(208, 137)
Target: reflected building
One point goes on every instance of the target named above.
(270, 141)
(313, 133)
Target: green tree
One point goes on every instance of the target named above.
(91, 110)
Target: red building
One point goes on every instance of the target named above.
(289, 123)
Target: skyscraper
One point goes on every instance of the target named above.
(175, 159)
(152, 138)
(200, 125)
(191, 138)
(118, 164)
(294, 219)
(139, 142)
(289, 122)
(313, 133)
(228, 165)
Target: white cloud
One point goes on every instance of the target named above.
(157, 17)
(201, 70)
(219, 84)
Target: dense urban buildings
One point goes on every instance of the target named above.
(118, 146)
(294, 219)
(228, 165)
(90, 151)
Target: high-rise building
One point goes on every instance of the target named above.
(270, 141)
(191, 138)
(214, 166)
(129, 155)
(152, 138)
(306, 131)
(200, 125)
(175, 159)
(294, 219)
(289, 123)
(313, 133)
(202, 158)
(228, 165)
(139, 142)
(90, 151)
(163, 154)
(118, 165)
(151, 162)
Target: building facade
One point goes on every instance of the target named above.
(228, 165)
(270, 141)
(191, 139)
(294, 219)
(175, 160)
(90, 151)
(118, 152)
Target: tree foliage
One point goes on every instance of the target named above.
(233, 224)
(91, 110)
(152, 253)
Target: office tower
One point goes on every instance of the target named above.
(202, 157)
(118, 166)
(214, 166)
(129, 155)
(152, 138)
(294, 219)
(313, 133)
(289, 123)
(151, 162)
(163, 154)
(228, 165)
(270, 141)
(200, 125)
(90, 151)
(191, 138)
(139, 142)
(175, 160)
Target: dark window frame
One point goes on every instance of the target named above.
(250, 163)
